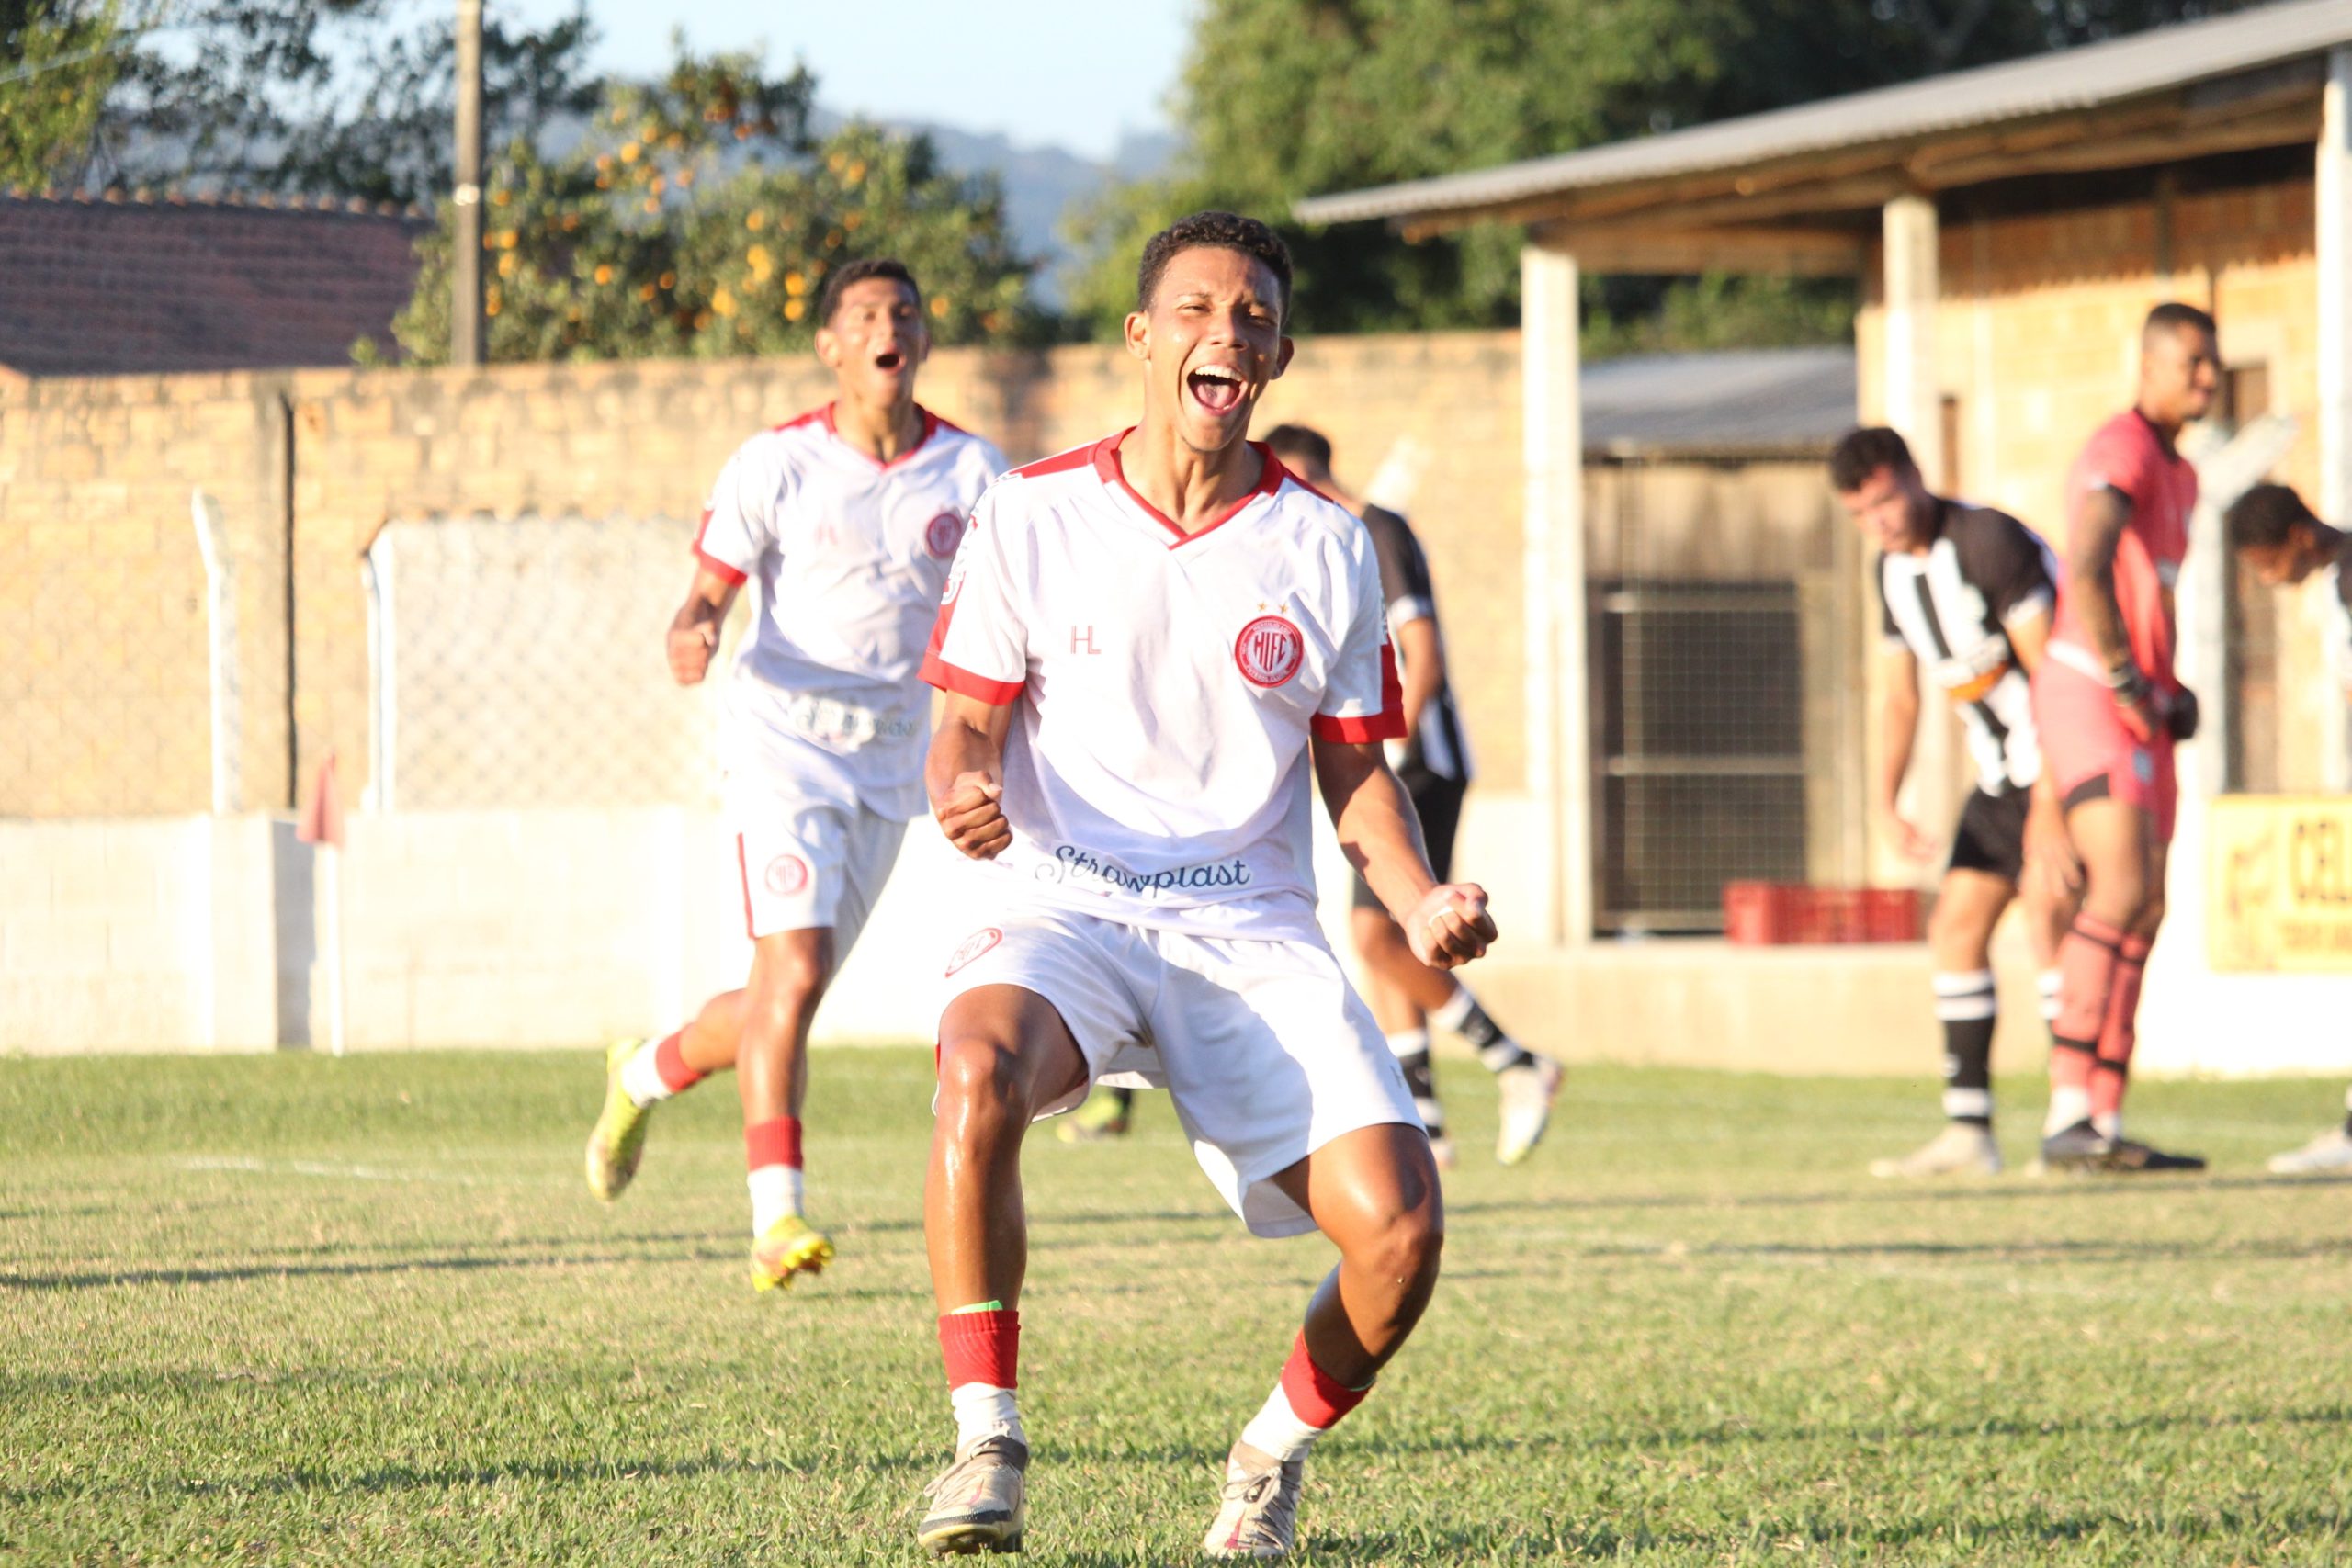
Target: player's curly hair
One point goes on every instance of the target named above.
(1861, 453)
(2266, 517)
(1227, 230)
(837, 282)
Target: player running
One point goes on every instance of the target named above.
(847, 517)
(1966, 592)
(1148, 646)
(2273, 531)
(2111, 709)
(1433, 763)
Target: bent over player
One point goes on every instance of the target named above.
(1966, 593)
(2273, 531)
(1148, 645)
(2111, 710)
(847, 517)
(1433, 763)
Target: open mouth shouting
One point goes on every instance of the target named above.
(1217, 388)
(891, 361)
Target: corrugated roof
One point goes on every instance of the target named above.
(130, 287)
(2074, 79)
(1791, 398)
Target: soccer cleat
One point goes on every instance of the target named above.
(1101, 1119)
(2127, 1157)
(1257, 1516)
(787, 1248)
(619, 1141)
(2332, 1150)
(2079, 1147)
(1528, 1091)
(977, 1506)
(1963, 1148)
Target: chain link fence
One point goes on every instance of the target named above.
(519, 662)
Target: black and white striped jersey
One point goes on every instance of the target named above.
(1951, 605)
(1439, 744)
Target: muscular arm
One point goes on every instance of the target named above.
(964, 774)
(694, 630)
(1446, 924)
(1422, 661)
(2090, 574)
(1899, 720)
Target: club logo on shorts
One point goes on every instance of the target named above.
(785, 875)
(1270, 650)
(941, 533)
(978, 942)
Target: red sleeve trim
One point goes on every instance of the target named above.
(937, 672)
(1388, 724)
(712, 563)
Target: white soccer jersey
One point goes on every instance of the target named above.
(1156, 771)
(850, 556)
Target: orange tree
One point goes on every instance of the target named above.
(698, 217)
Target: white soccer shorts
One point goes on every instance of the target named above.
(809, 852)
(1267, 1051)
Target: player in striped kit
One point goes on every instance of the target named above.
(846, 519)
(1966, 594)
(1150, 644)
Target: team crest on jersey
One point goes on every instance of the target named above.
(978, 942)
(1270, 650)
(941, 533)
(785, 875)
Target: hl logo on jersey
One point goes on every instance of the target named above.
(1270, 650)
(941, 533)
(1082, 640)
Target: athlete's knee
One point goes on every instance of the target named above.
(791, 981)
(1956, 934)
(981, 1075)
(2117, 892)
(1405, 1246)
(2151, 915)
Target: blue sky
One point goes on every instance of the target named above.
(1076, 73)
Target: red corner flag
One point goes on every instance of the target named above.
(323, 813)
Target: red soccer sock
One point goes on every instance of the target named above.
(670, 1063)
(2119, 1030)
(1320, 1398)
(981, 1348)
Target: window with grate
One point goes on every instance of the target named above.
(1700, 712)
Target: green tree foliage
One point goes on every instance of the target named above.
(57, 62)
(698, 217)
(1285, 99)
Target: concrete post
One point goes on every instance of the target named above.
(1914, 408)
(1559, 760)
(2335, 499)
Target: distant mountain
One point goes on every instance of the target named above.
(1040, 184)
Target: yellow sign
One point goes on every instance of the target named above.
(2278, 883)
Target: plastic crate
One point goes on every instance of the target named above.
(1778, 914)
(1891, 914)
(1756, 914)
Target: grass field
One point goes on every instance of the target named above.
(289, 1309)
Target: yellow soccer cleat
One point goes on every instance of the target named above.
(787, 1248)
(618, 1142)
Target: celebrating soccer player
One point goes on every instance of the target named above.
(848, 518)
(1433, 762)
(1148, 644)
(1967, 591)
(2273, 531)
(2110, 711)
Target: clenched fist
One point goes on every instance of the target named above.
(972, 816)
(1450, 926)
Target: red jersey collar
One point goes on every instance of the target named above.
(931, 424)
(1106, 466)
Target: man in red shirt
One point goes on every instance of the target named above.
(2111, 709)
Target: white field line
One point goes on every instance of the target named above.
(333, 1172)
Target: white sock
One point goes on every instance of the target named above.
(1277, 1429)
(2109, 1123)
(2047, 983)
(1407, 1044)
(1456, 1009)
(641, 1078)
(775, 1192)
(985, 1411)
(2067, 1106)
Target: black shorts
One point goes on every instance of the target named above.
(1438, 803)
(1991, 834)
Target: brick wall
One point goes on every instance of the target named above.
(103, 668)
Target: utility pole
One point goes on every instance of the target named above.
(469, 342)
